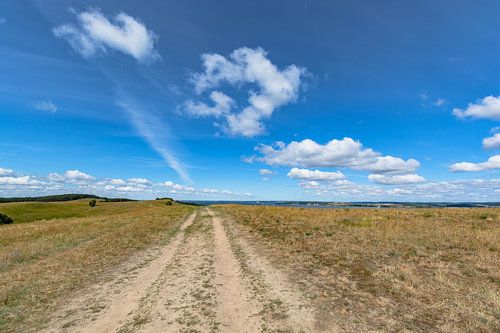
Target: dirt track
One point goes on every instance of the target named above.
(206, 279)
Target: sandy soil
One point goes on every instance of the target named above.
(208, 278)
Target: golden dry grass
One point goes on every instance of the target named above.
(424, 270)
(42, 261)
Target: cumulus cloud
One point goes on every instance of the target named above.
(336, 153)
(493, 142)
(19, 180)
(458, 190)
(75, 181)
(244, 66)
(396, 179)
(141, 181)
(222, 106)
(6, 172)
(492, 163)
(314, 175)
(46, 106)
(266, 172)
(77, 175)
(486, 108)
(96, 34)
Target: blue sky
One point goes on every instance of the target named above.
(312, 100)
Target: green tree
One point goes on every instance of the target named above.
(92, 203)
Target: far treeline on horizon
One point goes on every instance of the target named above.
(301, 101)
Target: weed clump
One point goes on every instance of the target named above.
(4, 219)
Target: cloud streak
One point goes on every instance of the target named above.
(46, 106)
(154, 131)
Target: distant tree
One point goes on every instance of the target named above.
(4, 219)
(168, 203)
(92, 203)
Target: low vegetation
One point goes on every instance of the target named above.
(427, 270)
(62, 247)
(4, 219)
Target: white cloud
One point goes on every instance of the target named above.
(336, 153)
(77, 175)
(310, 185)
(244, 65)
(141, 181)
(117, 181)
(222, 106)
(493, 142)
(492, 163)
(458, 190)
(96, 34)
(440, 102)
(75, 181)
(266, 172)
(20, 180)
(47, 106)
(55, 177)
(487, 108)
(314, 175)
(396, 179)
(6, 172)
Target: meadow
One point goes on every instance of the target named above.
(424, 270)
(53, 249)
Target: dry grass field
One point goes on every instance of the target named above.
(146, 266)
(67, 246)
(423, 270)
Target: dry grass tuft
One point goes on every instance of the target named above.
(388, 270)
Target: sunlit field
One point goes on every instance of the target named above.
(428, 270)
(53, 249)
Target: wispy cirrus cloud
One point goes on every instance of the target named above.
(95, 34)
(276, 88)
(46, 106)
(154, 130)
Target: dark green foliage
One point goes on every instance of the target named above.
(92, 203)
(168, 203)
(165, 198)
(50, 198)
(117, 200)
(4, 219)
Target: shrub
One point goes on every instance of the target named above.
(92, 203)
(168, 203)
(4, 219)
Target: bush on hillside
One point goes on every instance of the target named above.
(168, 203)
(4, 219)
(92, 203)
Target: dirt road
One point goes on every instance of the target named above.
(206, 279)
